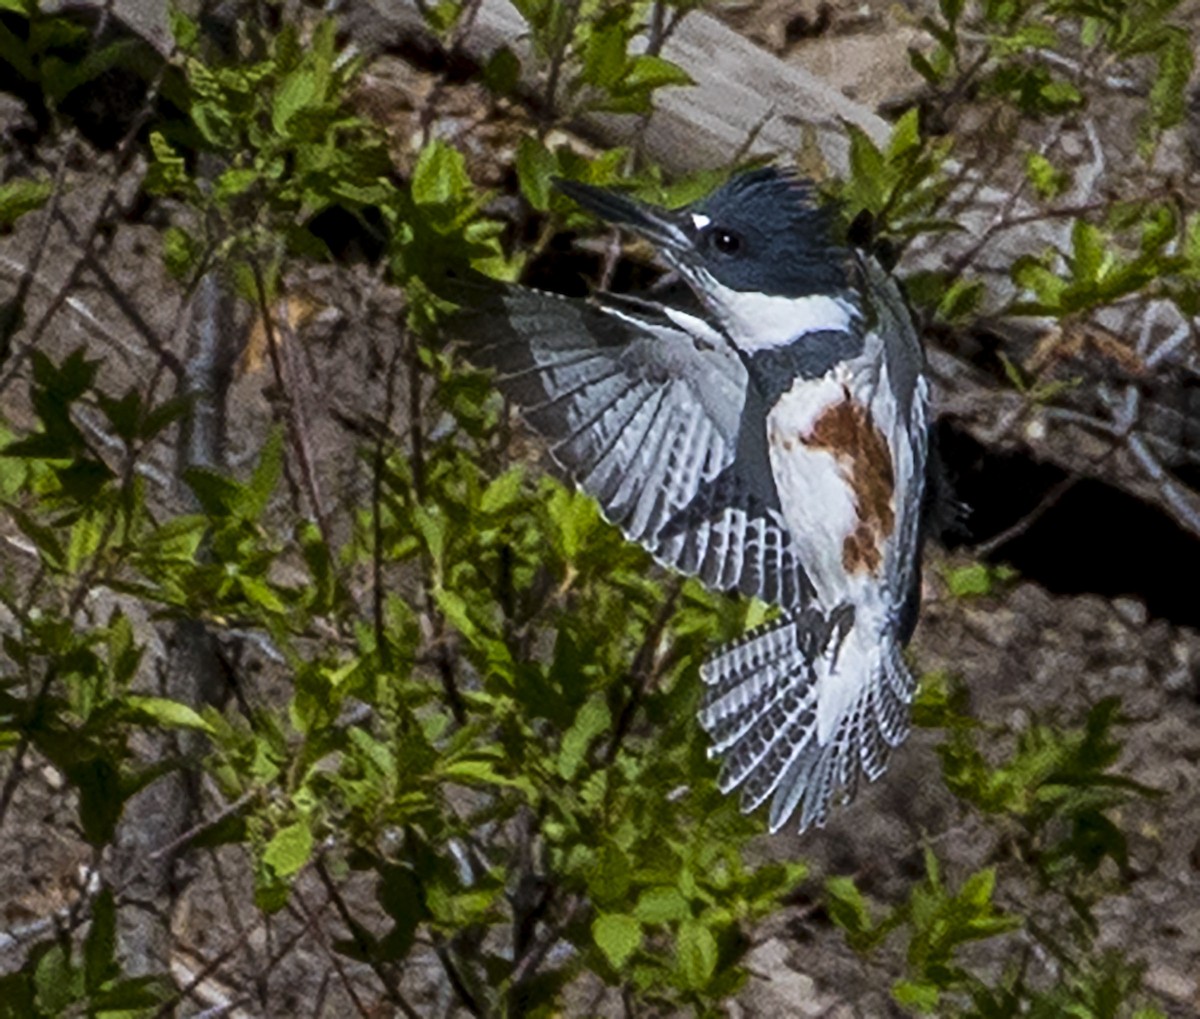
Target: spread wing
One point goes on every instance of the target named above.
(646, 415)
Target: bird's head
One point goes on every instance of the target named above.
(758, 252)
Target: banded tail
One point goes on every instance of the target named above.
(793, 714)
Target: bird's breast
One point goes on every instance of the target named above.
(836, 478)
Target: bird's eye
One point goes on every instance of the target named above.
(726, 241)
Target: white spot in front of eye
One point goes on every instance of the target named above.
(700, 220)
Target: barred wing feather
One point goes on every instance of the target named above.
(646, 417)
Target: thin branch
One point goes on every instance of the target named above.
(641, 673)
(205, 826)
(379, 460)
(334, 959)
(450, 966)
(386, 978)
(8, 326)
(529, 963)
(1048, 501)
(297, 426)
(167, 1008)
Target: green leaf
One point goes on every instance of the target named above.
(973, 581)
(695, 954)
(662, 904)
(610, 875)
(922, 997)
(536, 166)
(266, 476)
(604, 56)
(1029, 273)
(297, 91)
(124, 655)
(101, 797)
(440, 176)
(289, 849)
(618, 936)
(99, 949)
(503, 491)
(45, 539)
(848, 909)
(1088, 252)
(258, 592)
(218, 495)
(1060, 96)
(167, 173)
(1047, 180)
(234, 181)
(20, 196)
(649, 72)
(906, 135)
(1168, 94)
(165, 712)
(591, 720)
(502, 73)
(977, 889)
(961, 300)
(57, 981)
(921, 64)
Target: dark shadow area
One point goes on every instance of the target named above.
(1093, 539)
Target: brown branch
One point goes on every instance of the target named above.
(386, 978)
(641, 674)
(454, 975)
(379, 460)
(297, 425)
(528, 964)
(334, 959)
(205, 826)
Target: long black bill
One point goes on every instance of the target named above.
(661, 227)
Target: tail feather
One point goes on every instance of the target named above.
(761, 708)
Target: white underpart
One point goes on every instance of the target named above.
(820, 511)
(818, 503)
(758, 321)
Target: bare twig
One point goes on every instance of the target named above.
(297, 425)
(334, 959)
(383, 973)
(205, 826)
(1047, 502)
(641, 672)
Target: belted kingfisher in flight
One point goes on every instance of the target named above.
(768, 436)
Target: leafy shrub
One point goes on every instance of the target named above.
(490, 697)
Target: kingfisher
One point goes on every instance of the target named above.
(764, 428)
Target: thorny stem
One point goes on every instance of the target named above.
(207, 825)
(167, 1008)
(466, 19)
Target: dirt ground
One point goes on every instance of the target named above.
(1022, 652)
